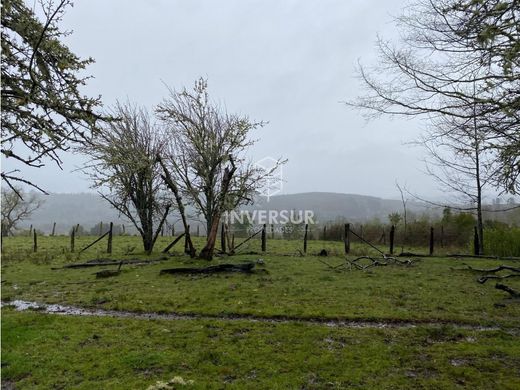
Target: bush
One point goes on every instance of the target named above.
(502, 241)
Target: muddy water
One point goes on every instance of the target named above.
(20, 305)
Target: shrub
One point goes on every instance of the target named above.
(502, 241)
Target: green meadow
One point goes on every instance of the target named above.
(430, 324)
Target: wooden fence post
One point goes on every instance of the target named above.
(324, 233)
(72, 238)
(431, 241)
(263, 238)
(222, 237)
(392, 236)
(101, 228)
(305, 238)
(347, 238)
(442, 236)
(109, 245)
(30, 230)
(53, 229)
(35, 241)
(123, 227)
(272, 232)
(198, 230)
(77, 229)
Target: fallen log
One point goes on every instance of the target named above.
(245, 267)
(94, 263)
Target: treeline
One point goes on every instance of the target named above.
(453, 232)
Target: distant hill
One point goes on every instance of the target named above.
(67, 210)
(329, 206)
(88, 209)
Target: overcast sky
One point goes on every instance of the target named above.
(288, 62)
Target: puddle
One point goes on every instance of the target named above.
(58, 309)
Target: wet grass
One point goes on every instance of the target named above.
(283, 286)
(127, 353)
(51, 351)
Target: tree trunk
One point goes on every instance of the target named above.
(147, 242)
(207, 251)
(173, 187)
(480, 223)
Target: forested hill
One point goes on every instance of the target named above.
(88, 209)
(329, 206)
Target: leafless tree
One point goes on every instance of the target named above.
(462, 161)
(17, 206)
(451, 56)
(124, 167)
(207, 155)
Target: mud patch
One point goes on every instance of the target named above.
(21, 305)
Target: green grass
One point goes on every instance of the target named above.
(123, 353)
(289, 286)
(49, 351)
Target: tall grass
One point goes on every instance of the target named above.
(502, 241)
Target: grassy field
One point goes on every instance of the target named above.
(445, 348)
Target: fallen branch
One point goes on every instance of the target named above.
(484, 279)
(374, 262)
(512, 292)
(333, 267)
(245, 267)
(492, 270)
(484, 257)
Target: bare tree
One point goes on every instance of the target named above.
(462, 161)
(207, 155)
(452, 55)
(404, 201)
(125, 169)
(17, 206)
(43, 110)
